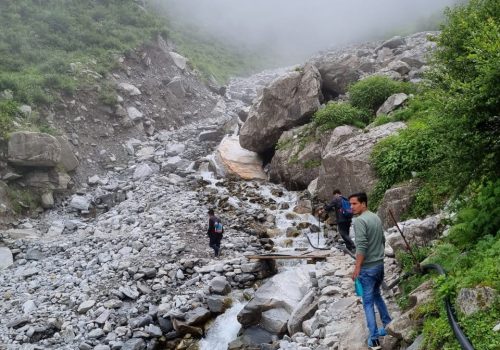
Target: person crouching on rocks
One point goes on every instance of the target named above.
(215, 231)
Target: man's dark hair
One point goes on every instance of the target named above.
(360, 196)
(337, 191)
(211, 212)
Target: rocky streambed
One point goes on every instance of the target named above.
(124, 263)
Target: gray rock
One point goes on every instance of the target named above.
(219, 285)
(153, 331)
(392, 43)
(6, 258)
(85, 306)
(288, 102)
(33, 149)
(398, 200)
(179, 60)
(79, 202)
(218, 303)
(134, 114)
(294, 164)
(68, 159)
(130, 89)
(337, 76)
(29, 306)
(197, 316)
(393, 102)
(129, 292)
(103, 317)
(348, 165)
(417, 344)
(50, 179)
(471, 300)
(176, 86)
(95, 333)
(102, 347)
(47, 199)
(134, 344)
(210, 135)
(142, 171)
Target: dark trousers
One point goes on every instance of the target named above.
(215, 239)
(344, 232)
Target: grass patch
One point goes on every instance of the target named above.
(370, 93)
(23, 200)
(335, 114)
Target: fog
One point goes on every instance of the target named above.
(298, 28)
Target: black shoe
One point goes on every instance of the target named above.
(374, 344)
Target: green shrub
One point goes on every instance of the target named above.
(22, 199)
(370, 93)
(312, 163)
(8, 110)
(339, 113)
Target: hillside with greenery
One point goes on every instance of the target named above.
(53, 47)
(452, 145)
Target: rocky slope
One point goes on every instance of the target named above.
(124, 263)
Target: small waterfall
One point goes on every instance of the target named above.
(223, 331)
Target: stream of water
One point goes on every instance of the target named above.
(223, 331)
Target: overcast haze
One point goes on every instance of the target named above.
(301, 27)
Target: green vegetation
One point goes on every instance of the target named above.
(451, 146)
(312, 163)
(370, 93)
(22, 199)
(47, 50)
(339, 113)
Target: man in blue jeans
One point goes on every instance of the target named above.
(370, 242)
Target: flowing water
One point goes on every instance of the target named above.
(223, 331)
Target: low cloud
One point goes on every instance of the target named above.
(298, 28)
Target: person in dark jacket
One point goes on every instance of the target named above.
(343, 222)
(214, 237)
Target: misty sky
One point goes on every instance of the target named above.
(301, 27)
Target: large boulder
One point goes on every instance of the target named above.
(416, 231)
(51, 179)
(232, 160)
(68, 159)
(288, 102)
(337, 76)
(398, 200)
(295, 164)
(35, 149)
(347, 166)
(281, 293)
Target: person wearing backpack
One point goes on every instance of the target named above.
(215, 231)
(343, 215)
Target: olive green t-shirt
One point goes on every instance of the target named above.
(370, 240)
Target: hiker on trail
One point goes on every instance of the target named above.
(343, 217)
(370, 243)
(215, 231)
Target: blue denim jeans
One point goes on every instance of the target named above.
(371, 279)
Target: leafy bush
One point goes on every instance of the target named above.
(8, 109)
(370, 93)
(480, 217)
(339, 113)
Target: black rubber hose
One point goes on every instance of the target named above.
(459, 334)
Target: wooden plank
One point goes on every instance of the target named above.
(309, 255)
